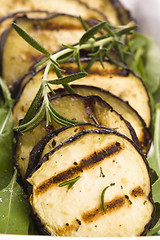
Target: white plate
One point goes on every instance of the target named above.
(21, 237)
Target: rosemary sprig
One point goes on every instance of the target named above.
(100, 41)
(102, 198)
(70, 182)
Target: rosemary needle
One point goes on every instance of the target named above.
(102, 198)
(70, 182)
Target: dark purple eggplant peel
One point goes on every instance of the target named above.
(89, 109)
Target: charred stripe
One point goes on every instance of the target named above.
(137, 192)
(92, 215)
(116, 72)
(85, 163)
(111, 206)
(56, 27)
(96, 71)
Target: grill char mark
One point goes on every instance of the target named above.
(92, 215)
(116, 72)
(137, 192)
(56, 27)
(105, 72)
(111, 206)
(85, 163)
(114, 205)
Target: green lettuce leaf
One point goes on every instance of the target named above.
(156, 191)
(14, 209)
(152, 61)
(146, 61)
(155, 226)
(154, 160)
(138, 47)
(6, 136)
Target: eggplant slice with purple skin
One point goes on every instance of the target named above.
(73, 7)
(53, 139)
(16, 61)
(95, 184)
(102, 9)
(90, 109)
(113, 9)
(121, 82)
(7, 20)
(121, 107)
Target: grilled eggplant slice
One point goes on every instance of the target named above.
(113, 9)
(90, 109)
(74, 7)
(58, 29)
(121, 82)
(112, 194)
(121, 107)
(7, 20)
(53, 139)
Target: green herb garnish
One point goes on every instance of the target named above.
(14, 209)
(70, 182)
(102, 40)
(6, 135)
(154, 160)
(102, 198)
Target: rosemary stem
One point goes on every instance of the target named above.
(100, 42)
(44, 79)
(46, 71)
(55, 56)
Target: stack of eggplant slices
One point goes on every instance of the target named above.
(89, 178)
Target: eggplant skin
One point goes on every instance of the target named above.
(125, 195)
(102, 9)
(51, 141)
(66, 6)
(123, 15)
(113, 9)
(56, 26)
(90, 109)
(7, 20)
(130, 86)
(119, 105)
